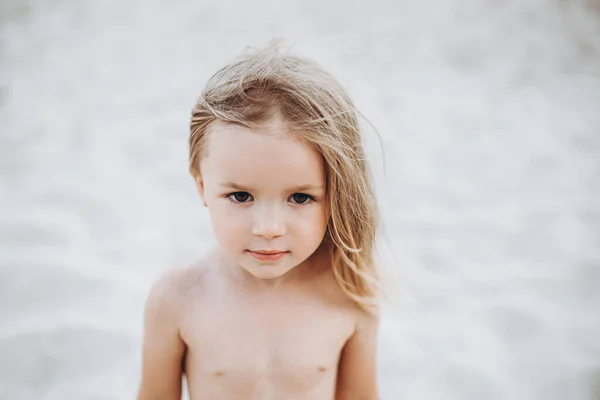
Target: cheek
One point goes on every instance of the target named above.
(229, 224)
(313, 224)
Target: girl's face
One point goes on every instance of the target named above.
(266, 195)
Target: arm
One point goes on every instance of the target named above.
(358, 362)
(163, 348)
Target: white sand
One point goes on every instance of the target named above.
(489, 113)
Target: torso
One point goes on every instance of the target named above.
(280, 344)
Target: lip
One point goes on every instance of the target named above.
(268, 255)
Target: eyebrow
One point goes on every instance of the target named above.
(300, 188)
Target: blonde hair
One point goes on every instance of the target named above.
(315, 107)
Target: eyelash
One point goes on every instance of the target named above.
(230, 197)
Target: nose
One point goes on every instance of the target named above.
(269, 222)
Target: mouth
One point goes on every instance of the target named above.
(268, 255)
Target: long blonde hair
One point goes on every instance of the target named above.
(317, 109)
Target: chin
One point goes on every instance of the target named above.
(267, 270)
(265, 276)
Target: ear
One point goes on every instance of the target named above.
(200, 188)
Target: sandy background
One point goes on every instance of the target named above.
(489, 113)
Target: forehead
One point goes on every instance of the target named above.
(266, 158)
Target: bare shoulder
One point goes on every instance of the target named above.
(357, 364)
(332, 293)
(170, 292)
(163, 348)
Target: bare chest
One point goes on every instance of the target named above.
(286, 348)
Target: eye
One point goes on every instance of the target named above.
(239, 197)
(301, 198)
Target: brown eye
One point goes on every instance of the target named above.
(301, 198)
(240, 197)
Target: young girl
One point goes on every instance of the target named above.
(286, 306)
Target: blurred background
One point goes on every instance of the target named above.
(489, 182)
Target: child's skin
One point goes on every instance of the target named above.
(240, 326)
